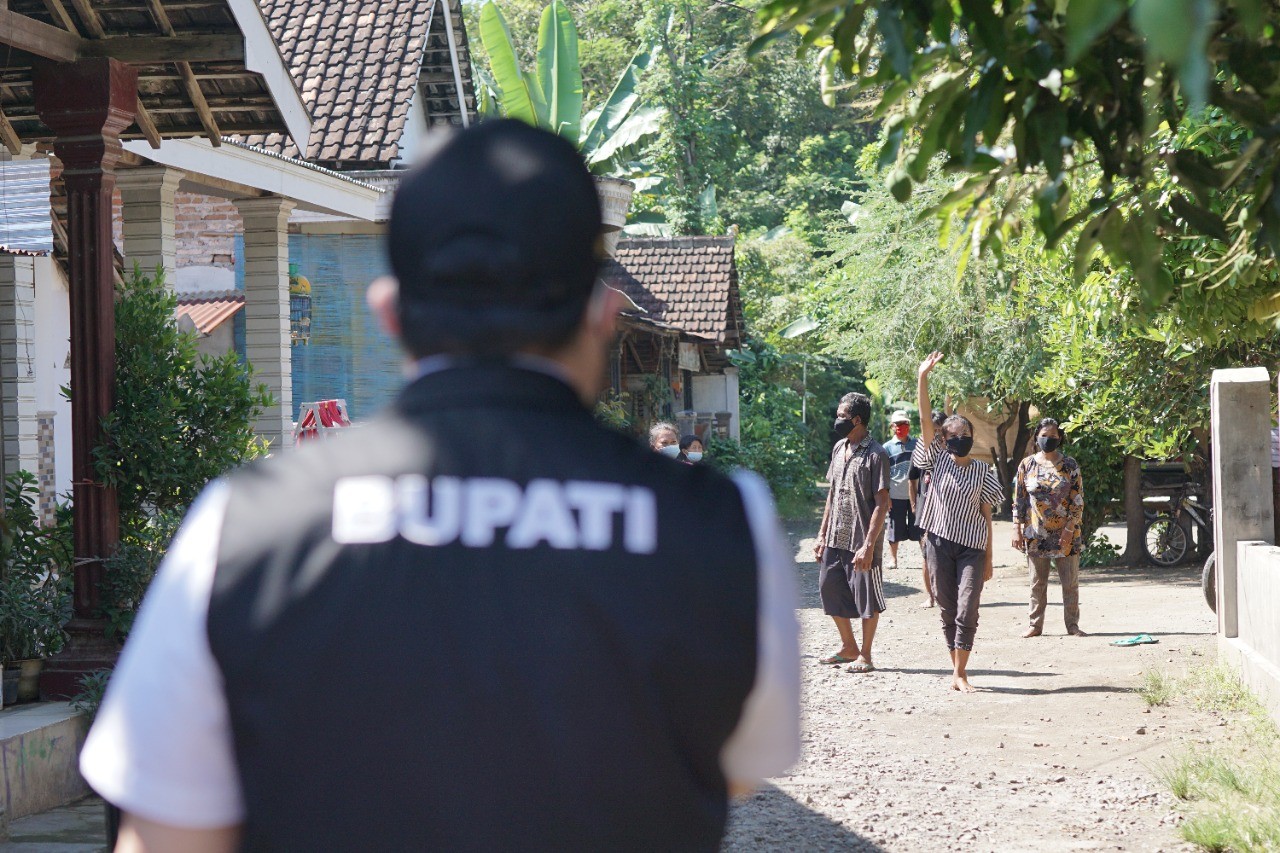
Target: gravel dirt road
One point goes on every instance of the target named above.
(1055, 753)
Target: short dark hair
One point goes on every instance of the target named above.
(859, 406)
(1050, 422)
(951, 426)
(938, 418)
(687, 440)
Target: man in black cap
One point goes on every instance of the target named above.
(481, 622)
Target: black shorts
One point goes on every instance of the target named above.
(902, 521)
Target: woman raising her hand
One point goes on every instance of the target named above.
(956, 518)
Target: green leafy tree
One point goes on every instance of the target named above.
(1030, 88)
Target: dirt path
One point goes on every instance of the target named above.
(1054, 754)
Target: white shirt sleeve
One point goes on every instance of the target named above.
(161, 746)
(767, 739)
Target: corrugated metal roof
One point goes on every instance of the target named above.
(209, 314)
(25, 216)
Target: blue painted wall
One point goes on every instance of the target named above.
(349, 357)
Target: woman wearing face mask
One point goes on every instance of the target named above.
(664, 439)
(1048, 508)
(956, 518)
(690, 450)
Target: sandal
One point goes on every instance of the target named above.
(836, 660)
(862, 666)
(1139, 640)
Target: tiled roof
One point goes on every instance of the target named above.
(357, 65)
(209, 314)
(688, 282)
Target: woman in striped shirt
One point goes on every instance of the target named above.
(956, 518)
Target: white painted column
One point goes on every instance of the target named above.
(146, 196)
(18, 417)
(266, 310)
(1240, 401)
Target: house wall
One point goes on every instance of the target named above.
(53, 370)
(718, 392)
(205, 228)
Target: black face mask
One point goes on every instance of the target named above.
(960, 445)
(843, 427)
(1048, 443)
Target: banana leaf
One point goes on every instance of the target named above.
(519, 91)
(605, 120)
(635, 129)
(559, 71)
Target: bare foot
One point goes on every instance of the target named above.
(929, 603)
(961, 683)
(1032, 632)
(1076, 632)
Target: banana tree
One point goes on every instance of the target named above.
(551, 96)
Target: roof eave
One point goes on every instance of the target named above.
(262, 56)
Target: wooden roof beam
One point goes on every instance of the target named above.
(194, 92)
(147, 125)
(50, 42)
(9, 136)
(160, 16)
(37, 37)
(138, 50)
(89, 18)
(60, 15)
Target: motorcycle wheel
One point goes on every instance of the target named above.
(1165, 541)
(1209, 582)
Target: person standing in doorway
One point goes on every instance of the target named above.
(902, 517)
(956, 517)
(1048, 510)
(849, 549)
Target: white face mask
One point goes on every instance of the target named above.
(671, 451)
(694, 456)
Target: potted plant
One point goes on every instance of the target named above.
(607, 136)
(35, 595)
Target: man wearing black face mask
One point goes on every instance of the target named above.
(849, 542)
(1048, 509)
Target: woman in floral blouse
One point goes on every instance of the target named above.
(1048, 507)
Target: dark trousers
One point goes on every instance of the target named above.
(956, 572)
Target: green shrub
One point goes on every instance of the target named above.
(35, 574)
(181, 419)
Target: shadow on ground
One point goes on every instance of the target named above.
(754, 823)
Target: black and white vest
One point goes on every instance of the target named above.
(483, 622)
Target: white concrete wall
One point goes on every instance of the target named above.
(717, 392)
(1248, 563)
(1255, 650)
(52, 352)
(219, 342)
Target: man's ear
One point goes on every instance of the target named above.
(383, 298)
(602, 312)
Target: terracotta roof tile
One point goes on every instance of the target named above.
(689, 282)
(343, 46)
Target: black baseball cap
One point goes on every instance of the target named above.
(493, 241)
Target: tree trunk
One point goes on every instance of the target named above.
(1135, 523)
(1006, 459)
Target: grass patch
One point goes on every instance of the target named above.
(1157, 687)
(1231, 792)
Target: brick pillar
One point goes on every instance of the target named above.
(17, 371)
(149, 222)
(266, 310)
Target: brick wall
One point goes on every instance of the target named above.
(206, 230)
